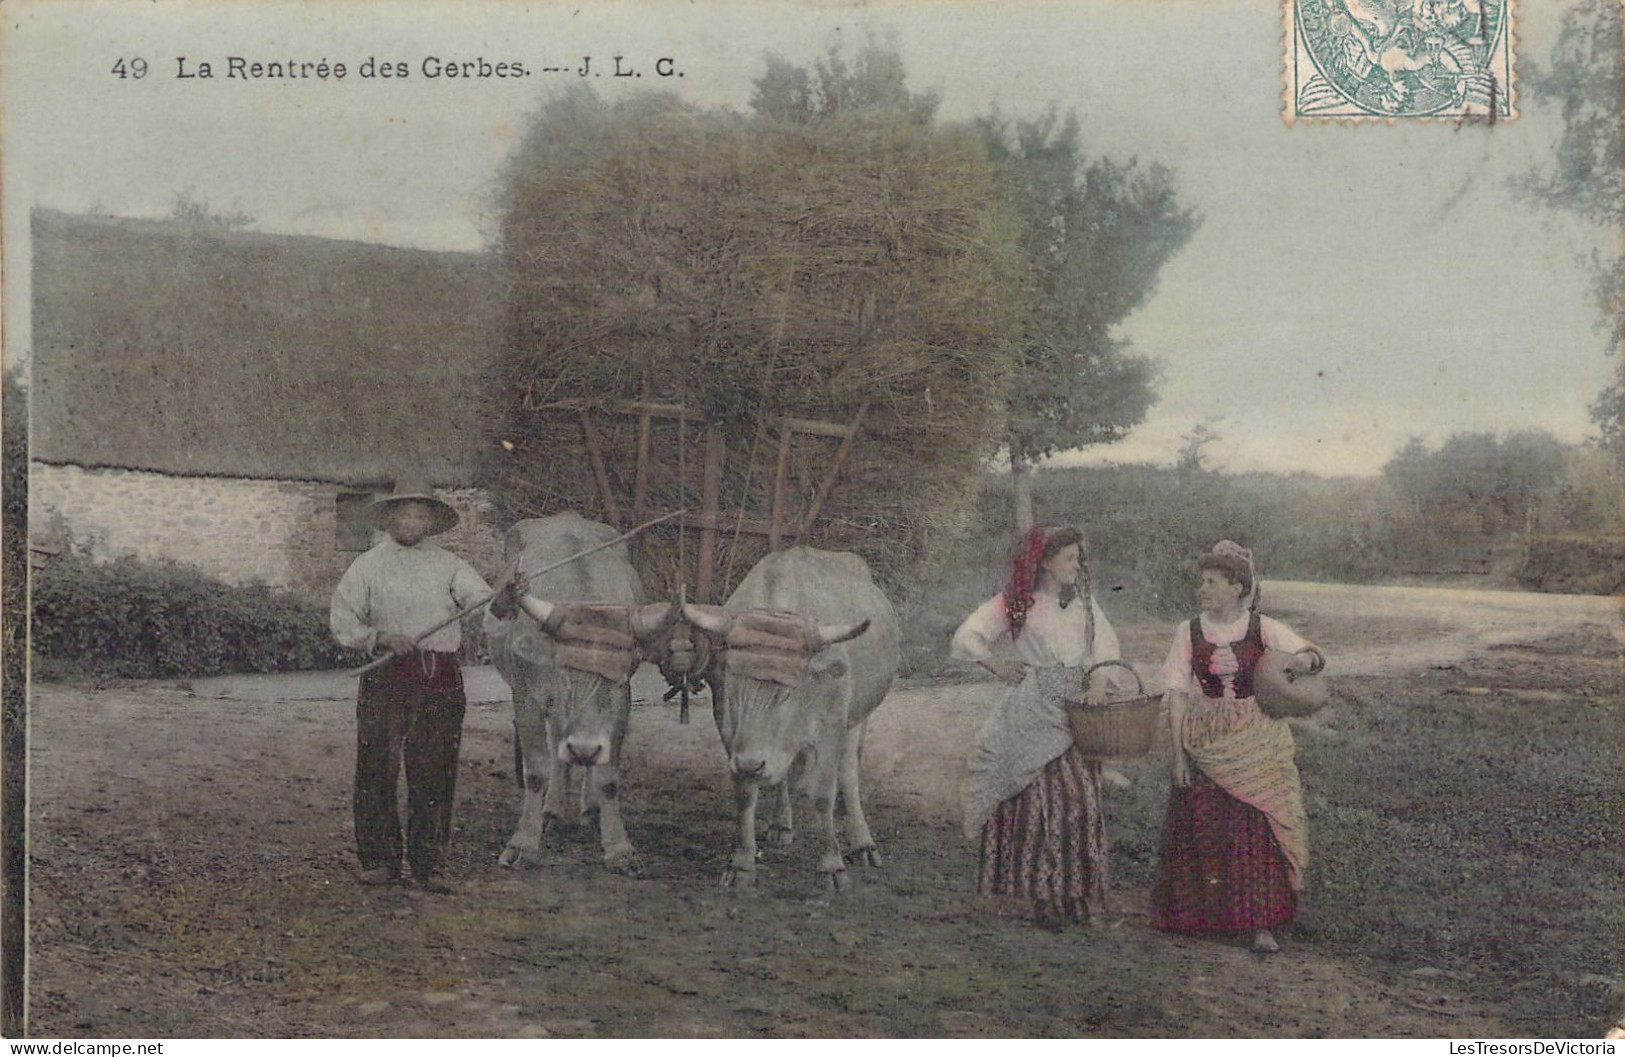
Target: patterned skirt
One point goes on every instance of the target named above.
(1220, 869)
(1045, 847)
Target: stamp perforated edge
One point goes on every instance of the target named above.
(1290, 115)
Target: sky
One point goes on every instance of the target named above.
(1349, 287)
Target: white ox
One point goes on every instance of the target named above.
(807, 648)
(568, 657)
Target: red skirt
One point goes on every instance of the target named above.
(1046, 846)
(1221, 869)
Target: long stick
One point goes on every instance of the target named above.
(521, 582)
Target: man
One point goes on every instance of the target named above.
(411, 707)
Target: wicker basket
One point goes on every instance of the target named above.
(1117, 729)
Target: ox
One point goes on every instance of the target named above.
(568, 656)
(806, 649)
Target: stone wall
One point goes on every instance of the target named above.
(282, 533)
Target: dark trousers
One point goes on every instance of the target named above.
(412, 709)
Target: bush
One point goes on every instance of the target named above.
(1591, 565)
(1146, 527)
(14, 578)
(146, 620)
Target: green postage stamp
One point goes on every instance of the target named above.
(1360, 60)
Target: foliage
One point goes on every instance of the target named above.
(1193, 451)
(1578, 564)
(1589, 497)
(197, 213)
(1608, 413)
(1585, 77)
(1479, 481)
(14, 530)
(1098, 234)
(147, 620)
(874, 81)
(1147, 525)
(13, 696)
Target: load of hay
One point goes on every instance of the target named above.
(746, 270)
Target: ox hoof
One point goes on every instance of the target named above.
(783, 836)
(555, 833)
(869, 856)
(837, 881)
(733, 878)
(513, 857)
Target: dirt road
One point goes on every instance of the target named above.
(1393, 630)
(192, 875)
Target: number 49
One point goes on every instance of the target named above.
(136, 68)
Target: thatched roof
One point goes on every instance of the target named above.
(163, 347)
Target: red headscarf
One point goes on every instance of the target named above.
(1024, 569)
(1026, 565)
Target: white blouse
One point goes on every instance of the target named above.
(1051, 636)
(1176, 671)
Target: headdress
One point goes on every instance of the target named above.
(1025, 566)
(1235, 554)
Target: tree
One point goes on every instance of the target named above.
(1532, 465)
(197, 213)
(1608, 413)
(1098, 235)
(1495, 484)
(1193, 453)
(1586, 79)
(874, 80)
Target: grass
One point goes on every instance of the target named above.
(1477, 835)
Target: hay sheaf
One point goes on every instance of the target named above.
(748, 269)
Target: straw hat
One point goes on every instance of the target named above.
(412, 488)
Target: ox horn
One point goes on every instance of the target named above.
(830, 634)
(651, 620)
(716, 625)
(544, 612)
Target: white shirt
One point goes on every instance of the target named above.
(1176, 671)
(1051, 636)
(396, 590)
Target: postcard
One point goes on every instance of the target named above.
(900, 519)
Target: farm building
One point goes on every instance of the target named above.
(233, 400)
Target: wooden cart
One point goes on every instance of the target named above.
(701, 455)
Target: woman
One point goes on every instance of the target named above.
(1235, 840)
(1033, 799)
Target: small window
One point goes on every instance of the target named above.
(354, 528)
